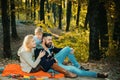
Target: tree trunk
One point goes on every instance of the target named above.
(31, 9)
(18, 16)
(34, 9)
(54, 10)
(116, 34)
(6, 29)
(94, 30)
(13, 20)
(103, 27)
(69, 6)
(63, 3)
(42, 17)
(48, 6)
(78, 13)
(26, 8)
(60, 15)
(87, 17)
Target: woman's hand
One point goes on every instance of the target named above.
(41, 54)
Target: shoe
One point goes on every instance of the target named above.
(82, 68)
(70, 75)
(100, 75)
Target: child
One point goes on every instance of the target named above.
(38, 36)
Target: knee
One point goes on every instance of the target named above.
(67, 48)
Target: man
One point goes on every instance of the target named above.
(59, 53)
(60, 56)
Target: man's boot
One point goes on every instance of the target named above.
(100, 75)
(62, 70)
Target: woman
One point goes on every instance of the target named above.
(30, 65)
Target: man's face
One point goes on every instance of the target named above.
(48, 41)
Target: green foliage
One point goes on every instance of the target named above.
(48, 24)
(113, 49)
(40, 23)
(74, 10)
(79, 41)
(49, 21)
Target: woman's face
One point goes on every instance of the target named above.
(32, 43)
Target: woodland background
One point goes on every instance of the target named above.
(91, 27)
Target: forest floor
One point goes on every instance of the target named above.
(110, 65)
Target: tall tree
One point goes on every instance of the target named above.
(87, 17)
(103, 27)
(63, 3)
(42, 16)
(60, 14)
(6, 29)
(18, 5)
(27, 8)
(48, 6)
(31, 6)
(26, 4)
(54, 11)
(69, 6)
(94, 30)
(13, 20)
(78, 13)
(116, 34)
(34, 9)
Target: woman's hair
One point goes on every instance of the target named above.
(38, 30)
(27, 40)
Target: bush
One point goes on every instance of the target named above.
(77, 40)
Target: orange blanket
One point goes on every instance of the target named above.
(16, 69)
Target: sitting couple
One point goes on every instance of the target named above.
(45, 58)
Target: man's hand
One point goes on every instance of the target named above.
(72, 50)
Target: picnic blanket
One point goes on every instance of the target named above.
(16, 69)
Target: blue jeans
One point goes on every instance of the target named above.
(65, 52)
